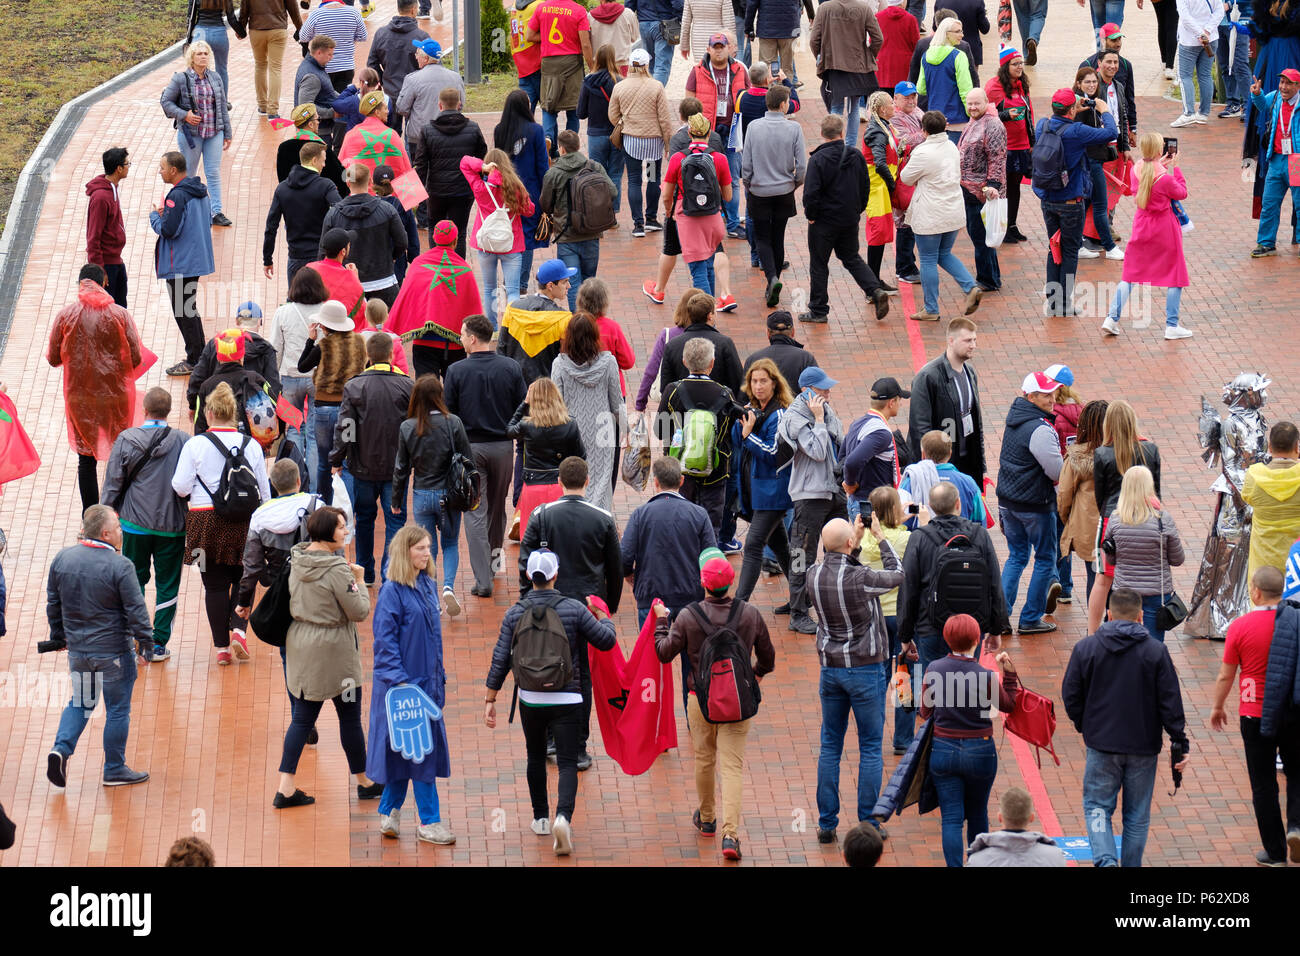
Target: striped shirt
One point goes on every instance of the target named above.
(850, 626)
(644, 147)
(343, 25)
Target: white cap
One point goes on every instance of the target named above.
(639, 57)
(544, 563)
(1039, 382)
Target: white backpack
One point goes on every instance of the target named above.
(496, 233)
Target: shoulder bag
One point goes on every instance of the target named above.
(1173, 612)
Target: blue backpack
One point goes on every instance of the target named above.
(1050, 172)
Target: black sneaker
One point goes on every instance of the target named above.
(299, 799)
(782, 608)
(730, 848)
(653, 225)
(708, 829)
(372, 792)
(912, 278)
(825, 836)
(1263, 859)
(480, 592)
(584, 761)
(56, 769)
(880, 299)
(313, 737)
(1038, 627)
(770, 567)
(736, 234)
(220, 219)
(638, 230)
(1261, 251)
(812, 318)
(773, 293)
(180, 369)
(1053, 594)
(803, 624)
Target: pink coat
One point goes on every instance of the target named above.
(1157, 234)
(472, 168)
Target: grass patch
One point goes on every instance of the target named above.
(54, 54)
(488, 96)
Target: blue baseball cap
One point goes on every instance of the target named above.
(553, 270)
(429, 48)
(905, 89)
(248, 310)
(813, 377)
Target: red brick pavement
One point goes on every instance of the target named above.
(210, 737)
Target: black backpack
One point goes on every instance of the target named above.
(961, 583)
(591, 202)
(701, 194)
(464, 483)
(725, 686)
(1048, 155)
(271, 618)
(237, 495)
(540, 655)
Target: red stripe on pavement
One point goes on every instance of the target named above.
(908, 301)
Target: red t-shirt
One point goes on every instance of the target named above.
(559, 22)
(1249, 637)
(674, 172)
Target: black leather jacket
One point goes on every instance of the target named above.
(544, 447)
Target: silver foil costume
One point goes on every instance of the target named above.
(1234, 444)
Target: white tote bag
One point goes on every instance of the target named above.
(496, 233)
(994, 215)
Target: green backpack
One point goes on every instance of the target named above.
(695, 444)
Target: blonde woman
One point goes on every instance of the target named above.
(880, 148)
(1158, 182)
(195, 102)
(1121, 448)
(549, 436)
(641, 105)
(1143, 544)
(496, 185)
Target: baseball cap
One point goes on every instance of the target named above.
(716, 572)
(719, 38)
(1039, 382)
(248, 310)
(905, 89)
(779, 320)
(1110, 31)
(371, 102)
(813, 377)
(334, 241)
(383, 174)
(543, 563)
(1291, 74)
(1060, 373)
(1063, 97)
(884, 389)
(553, 270)
(430, 48)
(639, 57)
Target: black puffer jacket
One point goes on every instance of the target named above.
(380, 238)
(373, 408)
(427, 457)
(1106, 479)
(303, 200)
(259, 357)
(437, 149)
(579, 623)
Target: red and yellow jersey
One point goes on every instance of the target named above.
(559, 22)
(528, 55)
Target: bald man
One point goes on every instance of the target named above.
(853, 645)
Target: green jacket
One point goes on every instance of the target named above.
(555, 193)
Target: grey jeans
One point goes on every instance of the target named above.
(810, 516)
(485, 527)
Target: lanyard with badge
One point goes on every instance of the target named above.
(966, 400)
(724, 95)
(1284, 123)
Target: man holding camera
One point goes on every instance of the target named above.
(96, 610)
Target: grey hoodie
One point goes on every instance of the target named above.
(775, 157)
(592, 395)
(814, 467)
(1014, 848)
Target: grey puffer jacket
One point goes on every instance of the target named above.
(815, 467)
(1136, 551)
(1014, 848)
(149, 502)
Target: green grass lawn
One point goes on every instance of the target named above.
(56, 50)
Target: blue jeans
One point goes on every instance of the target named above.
(525, 272)
(324, 418)
(1236, 78)
(1064, 567)
(1067, 217)
(218, 38)
(583, 256)
(635, 171)
(702, 274)
(1103, 777)
(661, 54)
(367, 497)
(929, 648)
(1151, 605)
(611, 159)
(1173, 301)
(1194, 59)
(426, 799)
(1030, 16)
(1100, 204)
(1104, 12)
(963, 773)
(209, 150)
(296, 389)
(113, 676)
(551, 125)
(742, 42)
(1025, 530)
(731, 208)
(862, 691)
(511, 264)
(851, 123)
(935, 251)
(1276, 183)
(432, 514)
(532, 85)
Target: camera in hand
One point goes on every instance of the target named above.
(866, 513)
(1177, 753)
(1088, 102)
(46, 647)
(914, 508)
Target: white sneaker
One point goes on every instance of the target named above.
(1202, 118)
(1110, 326)
(1086, 253)
(1187, 119)
(541, 826)
(388, 824)
(1169, 73)
(1177, 332)
(449, 601)
(1115, 253)
(563, 839)
(438, 833)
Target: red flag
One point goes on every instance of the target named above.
(147, 360)
(1054, 243)
(438, 292)
(633, 700)
(409, 190)
(291, 416)
(18, 457)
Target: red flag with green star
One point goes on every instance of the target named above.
(18, 457)
(373, 143)
(437, 294)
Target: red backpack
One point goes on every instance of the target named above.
(725, 686)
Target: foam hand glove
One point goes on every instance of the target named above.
(409, 711)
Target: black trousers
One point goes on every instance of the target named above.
(87, 481)
(116, 285)
(712, 498)
(843, 241)
(810, 516)
(766, 527)
(183, 293)
(303, 719)
(388, 294)
(1261, 766)
(433, 359)
(220, 597)
(457, 209)
(1167, 32)
(770, 215)
(562, 722)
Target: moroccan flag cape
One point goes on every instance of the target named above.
(439, 291)
(18, 457)
(373, 143)
(633, 700)
(342, 285)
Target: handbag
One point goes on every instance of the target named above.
(1173, 612)
(1034, 721)
(464, 483)
(671, 31)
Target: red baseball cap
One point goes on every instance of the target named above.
(719, 38)
(1064, 97)
(1292, 75)
(1110, 31)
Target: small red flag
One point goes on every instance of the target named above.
(291, 416)
(1054, 243)
(18, 457)
(408, 189)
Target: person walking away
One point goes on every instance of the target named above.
(579, 197)
(494, 186)
(152, 518)
(439, 293)
(96, 611)
(524, 142)
(697, 186)
(845, 41)
(276, 526)
(207, 23)
(593, 106)
(373, 142)
(983, 150)
(379, 236)
(229, 368)
(545, 619)
(1031, 17)
(195, 102)
(266, 22)
(651, 15)
(333, 358)
(183, 252)
(1142, 543)
(547, 435)
(437, 148)
(1119, 690)
(1015, 844)
(587, 378)
(393, 53)
(1008, 90)
(564, 30)
(526, 53)
(105, 230)
(1198, 40)
(288, 336)
(1076, 501)
(1270, 490)
(641, 105)
(615, 26)
(899, 32)
(702, 628)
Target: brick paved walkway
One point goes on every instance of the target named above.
(210, 737)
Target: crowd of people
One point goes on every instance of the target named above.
(500, 400)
